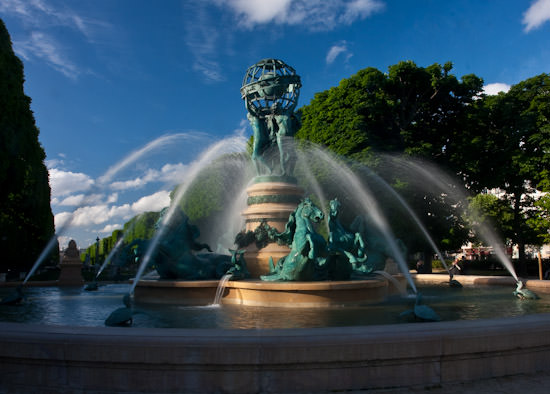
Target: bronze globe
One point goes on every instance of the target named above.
(270, 87)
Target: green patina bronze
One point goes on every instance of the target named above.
(341, 239)
(420, 312)
(175, 256)
(273, 198)
(270, 90)
(307, 247)
(347, 254)
(524, 294)
(376, 248)
(238, 269)
(275, 178)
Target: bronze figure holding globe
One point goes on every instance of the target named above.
(270, 90)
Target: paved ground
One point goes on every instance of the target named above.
(532, 384)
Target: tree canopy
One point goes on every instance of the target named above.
(488, 142)
(26, 219)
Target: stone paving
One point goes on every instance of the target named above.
(533, 384)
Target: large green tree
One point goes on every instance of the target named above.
(510, 151)
(26, 220)
(409, 111)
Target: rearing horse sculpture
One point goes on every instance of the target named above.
(339, 238)
(306, 245)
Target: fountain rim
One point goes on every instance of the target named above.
(167, 359)
(264, 285)
(368, 357)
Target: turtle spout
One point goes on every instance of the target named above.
(523, 293)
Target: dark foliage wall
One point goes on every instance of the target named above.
(26, 219)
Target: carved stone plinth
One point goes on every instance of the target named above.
(71, 267)
(273, 200)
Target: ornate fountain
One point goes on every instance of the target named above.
(286, 262)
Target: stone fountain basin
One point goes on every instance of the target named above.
(35, 358)
(254, 292)
(66, 358)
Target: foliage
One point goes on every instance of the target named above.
(488, 142)
(411, 111)
(515, 124)
(541, 222)
(26, 219)
(209, 199)
(489, 209)
(140, 227)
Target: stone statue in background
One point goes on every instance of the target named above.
(270, 90)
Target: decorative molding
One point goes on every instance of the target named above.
(273, 198)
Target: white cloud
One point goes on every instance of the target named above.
(171, 174)
(65, 182)
(52, 163)
(313, 14)
(494, 88)
(110, 228)
(259, 11)
(536, 15)
(112, 198)
(102, 213)
(80, 199)
(336, 50)
(360, 9)
(154, 202)
(41, 46)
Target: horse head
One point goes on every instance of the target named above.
(308, 210)
(334, 207)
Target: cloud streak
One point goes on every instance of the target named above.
(37, 16)
(202, 38)
(337, 50)
(536, 15)
(42, 46)
(313, 14)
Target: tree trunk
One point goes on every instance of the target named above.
(522, 264)
(428, 261)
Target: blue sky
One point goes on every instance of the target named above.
(107, 77)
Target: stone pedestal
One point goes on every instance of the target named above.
(272, 199)
(71, 267)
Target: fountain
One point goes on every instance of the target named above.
(283, 268)
(281, 244)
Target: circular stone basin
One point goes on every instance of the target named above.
(254, 292)
(76, 307)
(485, 333)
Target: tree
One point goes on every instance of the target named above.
(26, 219)
(488, 209)
(513, 152)
(541, 222)
(410, 111)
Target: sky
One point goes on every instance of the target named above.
(128, 93)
